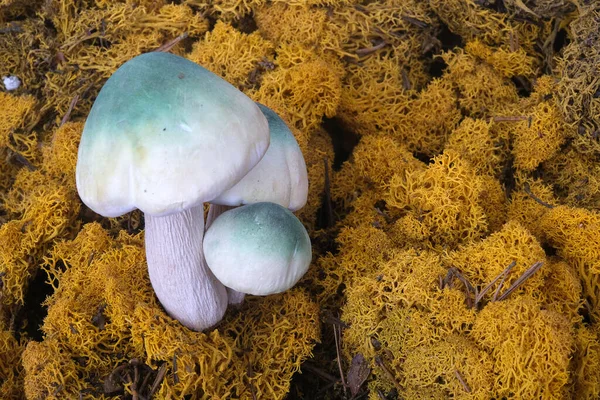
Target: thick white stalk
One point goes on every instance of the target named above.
(182, 281)
(234, 297)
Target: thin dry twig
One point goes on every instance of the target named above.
(370, 50)
(337, 332)
(527, 190)
(379, 362)
(480, 295)
(159, 378)
(165, 48)
(509, 118)
(526, 275)
(67, 115)
(462, 381)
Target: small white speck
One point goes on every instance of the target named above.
(185, 127)
(11, 82)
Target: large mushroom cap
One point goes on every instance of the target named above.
(280, 177)
(258, 249)
(165, 134)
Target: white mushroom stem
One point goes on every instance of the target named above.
(234, 297)
(182, 281)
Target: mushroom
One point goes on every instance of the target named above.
(280, 177)
(166, 135)
(258, 249)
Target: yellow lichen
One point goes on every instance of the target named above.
(237, 57)
(530, 348)
(483, 261)
(445, 197)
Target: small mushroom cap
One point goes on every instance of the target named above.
(258, 249)
(280, 177)
(164, 135)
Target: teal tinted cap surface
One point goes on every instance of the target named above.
(165, 134)
(258, 249)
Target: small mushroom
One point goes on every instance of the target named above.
(166, 135)
(258, 249)
(280, 177)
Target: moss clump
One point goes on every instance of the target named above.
(530, 348)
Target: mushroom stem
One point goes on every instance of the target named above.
(234, 297)
(182, 281)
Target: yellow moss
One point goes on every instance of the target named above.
(575, 177)
(507, 62)
(408, 231)
(481, 89)
(17, 112)
(271, 359)
(308, 92)
(95, 42)
(374, 161)
(408, 279)
(540, 138)
(493, 201)
(284, 23)
(439, 366)
(445, 197)
(471, 20)
(530, 348)
(562, 290)
(525, 210)
(60, 154)
(575, 233)
(586, 363)
(23, 53)
(362, 250)
(483, 261)
(51, 373)
(577, 89)
(318, 155)
(104, 311)
(49, 212)
(475, 143)
(11, 371)
(373, 99)
(237, 57)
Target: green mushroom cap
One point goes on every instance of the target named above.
(165, 134)
(258, 249)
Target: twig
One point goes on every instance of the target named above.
(370, 50)
(13, 27)
(339, 361)
(165, 48)
(321, 373)
(67, 115)
(509, 118)
(462, 381)
(415, 21)
(379, 362)
(526, 275)
(20, 158)
(175, 376)
(527, 190)
(158, 380)
(500, 285)
(479, 296)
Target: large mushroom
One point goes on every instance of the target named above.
(166, 135)
(280, 177)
